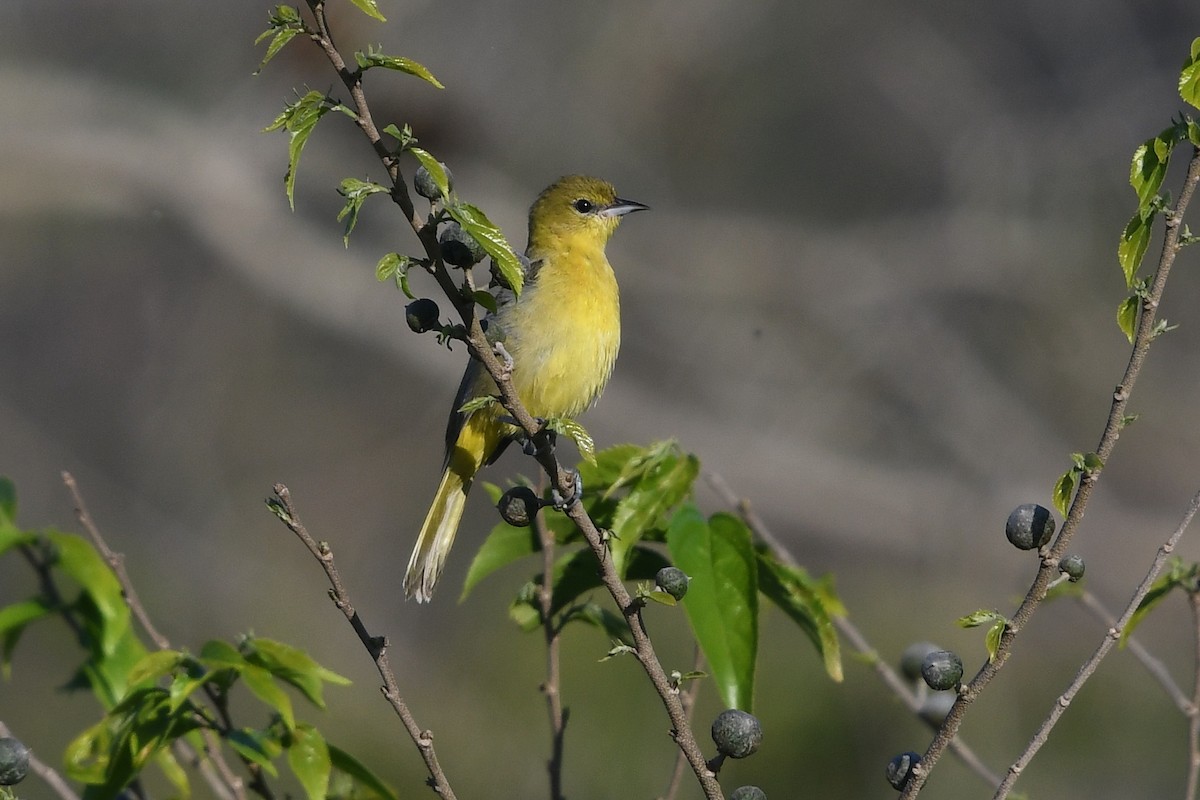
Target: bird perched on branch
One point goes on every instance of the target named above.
(562, 332)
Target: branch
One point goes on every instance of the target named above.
(688, 698)
(1048, 570)
(1153, 665)
(376, 645)
(1089, 667)
(845, 627)
(552, 688)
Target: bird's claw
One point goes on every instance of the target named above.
(562, 504)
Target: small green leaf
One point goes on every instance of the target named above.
(568, 427)
(402, 135)
(8, 499)
(436, 171)
(294, 666)
(982, 617)
(299, 120)
(369, 8)
(485, 299)
(476, 403)
(992, 640)
(1149, 166)
(356, 193)
(308, 756)
(804, 601)
(77, 558)
(1193, 132)
(722, 598)
(285, 24)
(1064, 490)
(13, 621)
(1179, 575)
(1127, 316)
(363, 777)
(1092, 462)
(262, 684)
(258, 747)
(86, 757)
(504, 545)
(1189, 78)
(375, 58)
(391, 265)
(217, 654)
(1134, 241)
(154, 665)
(484, 231)
(613, 624)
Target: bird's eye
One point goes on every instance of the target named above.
(582, 205)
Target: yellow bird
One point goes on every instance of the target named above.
(562, 333)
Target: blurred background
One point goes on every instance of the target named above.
(876, 294)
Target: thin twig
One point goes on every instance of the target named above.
(688, 698)
(1048, 570)
(45, 771)
(1193, 773)
(376, 645)
(552, 687)
(1111, 637)
(116, 562)
(1134, 645)
(845, 627)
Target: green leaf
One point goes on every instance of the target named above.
(504, 545)
(308, 756)
(485, 299)
(154, 665)
(614, 625)
(299, 120)
(363, 777)
(13, 621)
(192, 675)
(436, 171)
(375, 58)
(1149, 166)
(369, 8)
(174, 773)
(1064, 490)
(78, 559)
(258, 747)
(217, 654)
(565, 426)
(982, 617)
(262, 684)
(285, 24)
(1179, 575)
(722, 598)
(356, 193)
(1189, 78)
(86, 757)
(1127, 316)
(484, 231)
(804, 601)
(294, 666)
(8, 499)
(1134, 241)
(403, 136)
(476, 403)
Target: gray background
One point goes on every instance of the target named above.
(876, 293)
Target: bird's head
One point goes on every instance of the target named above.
(577, 206)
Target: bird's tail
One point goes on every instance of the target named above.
(437, 535)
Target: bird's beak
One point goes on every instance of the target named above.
(620, 208)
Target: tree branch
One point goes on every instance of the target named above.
(376, 645)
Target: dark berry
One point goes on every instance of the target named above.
(518, 506)
(1073, 567)
(427, 187)
(14, 761)
(748, 793)
(422, 315)
(942, 670)
(673, 581)
(736, 733)
(459, 248)
(900, 768)
(1029, 526)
